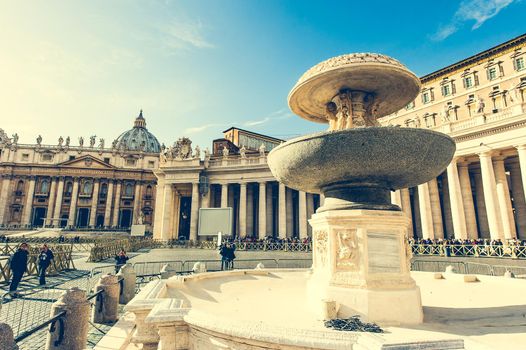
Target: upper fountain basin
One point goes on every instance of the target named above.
(386, 157)
(390, 82)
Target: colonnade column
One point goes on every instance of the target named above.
(26, 214)
(4, 195)
(282, 208)
(94, 203)
(396, 198)
(503, 195)
(224, 195)
(73, 203)
(51, 201)
(166, 211)
(522, 163)
(426, 216)
(302, 209)
(436, 211)
(406, 209)
(243, 209)
(117, 206)
(194, 211)
(490, 196)
(262, 219)
(455, 197)
(109, 200)
(58, 202)
(467, 200)
(137, 202)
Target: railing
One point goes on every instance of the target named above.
(483, 250)
(108, 249)
(467, 267)
(260, 245)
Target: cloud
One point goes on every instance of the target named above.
(184, 34)
(198, 129)
(471, 10)
(256, 122)
(277, 115)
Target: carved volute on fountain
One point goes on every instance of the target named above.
(360, 258)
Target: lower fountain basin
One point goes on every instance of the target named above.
(356, 168)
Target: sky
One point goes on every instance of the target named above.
(197, 67)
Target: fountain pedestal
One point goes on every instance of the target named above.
(361, 261)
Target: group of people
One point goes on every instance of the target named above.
(18, 266)
(227, 252)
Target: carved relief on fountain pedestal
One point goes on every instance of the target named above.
(320, 248)
(348, 255)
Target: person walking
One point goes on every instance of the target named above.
(18, 266)
(44, 260)
(231, 256)
(120, 260)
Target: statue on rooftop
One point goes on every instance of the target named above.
(60, 141)
(92, 141)
(262, 150)
(226, 151)
(197, 153)
(81, 141)
(15, 138)
(39, 140)
(243, 152)
(101, 143)
(68, 140)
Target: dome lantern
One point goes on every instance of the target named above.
(138, 138)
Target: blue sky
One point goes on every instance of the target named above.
(82, 68)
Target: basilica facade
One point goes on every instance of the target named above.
(85, 185)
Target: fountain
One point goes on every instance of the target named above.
(360, 257)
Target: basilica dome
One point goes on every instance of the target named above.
(138, 138)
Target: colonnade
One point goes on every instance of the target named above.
(480, 196)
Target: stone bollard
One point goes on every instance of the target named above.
(509, 274)
(106, 305)
(70, 332)
(259, 266)
(168, 271)
(450, 269)
(128, 278)
(7, 340)
(329, 309)
(199, 267)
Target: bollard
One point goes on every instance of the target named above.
(128, 278)
(106, 305)
(199, 267)
(168, 271)
(7, 341)
(509, 274)
(450, 269)
(70, 332)
(259, 266)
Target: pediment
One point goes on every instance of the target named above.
(87, 161)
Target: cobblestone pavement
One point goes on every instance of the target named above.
(35, 305)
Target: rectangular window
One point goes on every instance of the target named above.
(131, 162)
(25, 157)
(47, 157)
(425, 97)
(107, 160)
(151, 164)
(446, 90)
(492, 73)
(71, 157)
(468, 82)
(519, 63)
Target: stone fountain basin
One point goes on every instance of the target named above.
(385, 157)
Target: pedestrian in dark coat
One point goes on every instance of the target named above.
(18, 266)
(44, 260)
(231, 256)
(223, 251)
(120, 260)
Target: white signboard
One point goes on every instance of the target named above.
(215, 220)
(138, 230)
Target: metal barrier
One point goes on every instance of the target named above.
(513, 251)
(467, 267)
(108, 249)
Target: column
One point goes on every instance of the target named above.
(224, 195)
(310, 211)
(426, 217)
(51, 201)
(436, 211)
(26, 214)
(282, 208)
(167, 211)
(396, 198)
(302, 213)
(455, 197)
(503, 195)
(4, 196)
(136, 202)
(243, 209)
(490, 196)
(194, 211)
(262, 209)
(522, 162)
(58, 202)
(519, 200)
(482, 216)
(109, 200)
(270, 221)
(73, 204)
(467, 200)
(94, 203)
(322, 199)
(117, 205)
(406, 209)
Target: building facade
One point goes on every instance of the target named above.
(480, 102)
(86, 186)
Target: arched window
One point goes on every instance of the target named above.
(103, 190)
(149, 190)
(44, 186)
(128, 191)
(20, 186)
(69, 189)
(86, 189)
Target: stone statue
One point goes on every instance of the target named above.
(140, 219)
(262, 150)
(92, 141)
(163, 147)
(226, 152)
(243, 152)
(445, 114)
(418, 123)
(162, 156)
(81, 141)
(15, 138)
(480, 105)
(207, 154)
(60, 141)
(39, 140)
(114, 144)
(68, 140)
(101, 143)
(197, 153)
